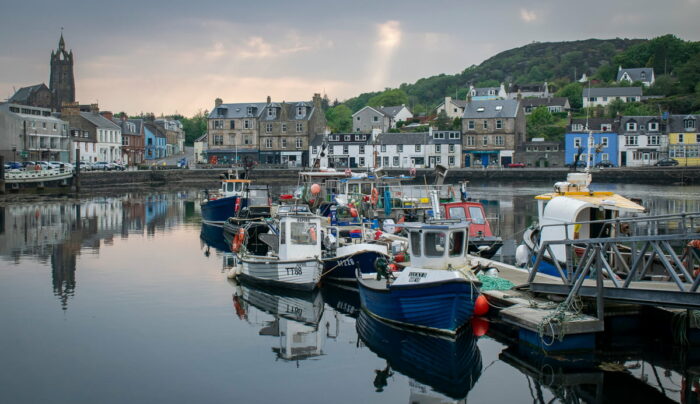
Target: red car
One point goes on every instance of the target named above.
(516, 165)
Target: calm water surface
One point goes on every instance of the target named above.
(125, 299)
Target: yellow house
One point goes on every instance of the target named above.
(684, 139)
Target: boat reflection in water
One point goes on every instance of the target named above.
(213, 236)
(297, 316)
(342, 298)
(438, 366)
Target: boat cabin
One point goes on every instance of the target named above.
(299, 236)
(233, 187)
(567, 212)
(472, 212)
(438, 244)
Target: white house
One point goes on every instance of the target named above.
(109, 137)
(453, 108)
(382, 118)
(645, 75)
(605, 95)
(420, 150)
(343, 150)
(200, 145)
(641, 140)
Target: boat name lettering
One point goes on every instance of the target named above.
(294, 310)
(347, 262)
(296, 270)
(416, 276)
(303, 220)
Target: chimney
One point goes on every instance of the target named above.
(70, 108)
(123, 116)
(519, 96)
(430, 131)
(469, 97)
(317, 100)
(107, 114)
(269, 100)
(218, 102)
(94, 108)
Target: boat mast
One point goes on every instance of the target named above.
(590, 134)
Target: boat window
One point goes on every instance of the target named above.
(415, 243)
(283, 232)
(304, 233)
(229, 187)
(456, 243)
(457, 212)
(257, 197)
(477, 215)
(434, 244)
(239, 186)
(366, 188)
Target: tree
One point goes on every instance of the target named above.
(488, 83)
(443, 121)
(574, 92)
(194, 127)
(689, 74)
(339, 119)
(615, 107)
(663, 85)
(389, 97)
(538, 121)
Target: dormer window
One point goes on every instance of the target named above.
(689, 124)
(631, 126)
(250, 110)
(301, 111)
(499, 107)
(643, 75)
(653, 126)
(605, 127)
(270, 112)
(480, 109)
(438, 135)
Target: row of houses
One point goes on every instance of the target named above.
(35, 133)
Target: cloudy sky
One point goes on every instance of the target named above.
(168, 56)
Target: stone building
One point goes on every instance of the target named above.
(133, 139)
(286, 129)
(539, 152)
(103, 135)
(491, 130)
(233, 132)
(32, 133)
(62, 81)
(174, 135)
(36, 96)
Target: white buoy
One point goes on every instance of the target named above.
(521, 255)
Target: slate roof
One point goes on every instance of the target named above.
(613, 92)
(416, 138)
(202, 138)
(546, 102)
(636, 73)
(508, 109)
(484, 91)
(290, 109)
(641, 121)
(138, 123)
(239, 110)
(675, 123)
(316, 141)
(391, 111)
(594, 124)
(22, 95)
(99, 121)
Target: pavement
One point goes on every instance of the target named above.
(174, 159)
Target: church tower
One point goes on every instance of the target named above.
(61, 82)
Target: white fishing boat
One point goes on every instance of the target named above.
(293, 257)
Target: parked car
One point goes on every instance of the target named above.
(59, 164)
(13, 165)
(118, 166)
(605, 163)
(102, 165)
(579, 164)
(515, 165)
(667, 162)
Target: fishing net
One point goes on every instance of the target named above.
(494, 283)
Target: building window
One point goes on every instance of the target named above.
(362, 149)
(358, 118)
(246, 140)
(270, 112)
(417, 148)
(451, 148)
(653, 126)
(385, 161)
(604, 141)
(499, 124)
(470, 124)
(383, 148)
(300, 127)
(246, 124)
(592, 99)
(451, 160)
(301, 111)
(362, 161)
(250, 110)
(231, 124)
(268, 143)
(631, 140)
(268, 128)
(396, 161)
(438, 135)
(680, 138)
(486, 124)
(605, 127)
(577, 142)
(689, 124)
(283, 143)
(231, 138)
(299, 143)
(578, 127)
(631, 126)
(330, 150)
(346, 138)
(454, 135)
(218, 140)
(604, 156)
(470, 140)
(399, 148)
(375, 118)
(314, 149)
(484, 140)
(438, 148)
(284, 127)
(499, 141)
(346, 150)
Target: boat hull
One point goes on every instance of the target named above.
(297, 274)
(342, 269)
(442, 307)
(218, 210)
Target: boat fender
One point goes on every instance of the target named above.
(238, 240)
(238, 205)
(312, 233)
(521, 255)
(375, 196)
(481, 306)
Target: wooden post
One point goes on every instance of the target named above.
(76, 175)
(2, 175)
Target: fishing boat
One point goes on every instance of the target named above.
(256, 206)
(226, 201)
(447, 366)
(292, 257)
(575, 212)
(436, 291)
(482, 241)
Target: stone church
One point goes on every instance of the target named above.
(61, 83)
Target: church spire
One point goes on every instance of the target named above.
(61, 42)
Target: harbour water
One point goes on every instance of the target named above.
(125, 299)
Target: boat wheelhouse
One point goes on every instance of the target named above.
(226, 202)
(437, 290)
(482, 241)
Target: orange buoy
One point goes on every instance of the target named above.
(353, 212)
(481, 306)
(480, 326)
(238, 240)
(315, 189)
(400, 257)
(393, 267)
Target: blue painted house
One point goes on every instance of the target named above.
(605, 133)
(155, 144)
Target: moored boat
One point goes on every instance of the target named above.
(226, 202)
(436, 291)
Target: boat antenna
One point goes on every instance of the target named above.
(590, 133)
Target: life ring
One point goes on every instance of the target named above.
(375, 196)
(238, 240)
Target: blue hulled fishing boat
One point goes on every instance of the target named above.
(436, 291)
(226, 202)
